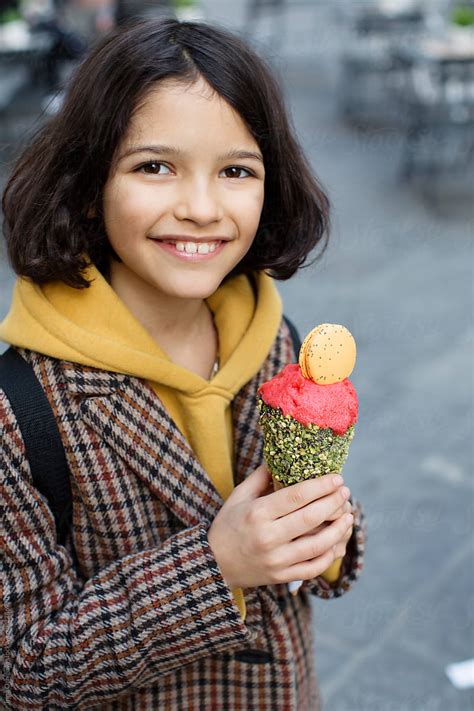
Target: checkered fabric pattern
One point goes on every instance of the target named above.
(133, 612)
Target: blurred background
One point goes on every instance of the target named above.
(381, 95)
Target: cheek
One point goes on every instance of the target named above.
(247, 209)
(255, 212)
(127, 206)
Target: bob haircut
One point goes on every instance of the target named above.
(58, 181)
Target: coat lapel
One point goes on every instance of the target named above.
(126, 414)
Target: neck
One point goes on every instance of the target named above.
(171, 321)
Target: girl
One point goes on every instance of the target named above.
(147, 222)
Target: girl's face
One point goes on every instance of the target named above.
(183, 200)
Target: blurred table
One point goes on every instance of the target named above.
(438, 98)
(457, 45)
(441, 69)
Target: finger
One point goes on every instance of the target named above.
(339, 551)
(321, 526)
(310, 547)
(305, 519)
(308, 569)
(348, 535)
(295, 496)
(341, 548)
(345, 508)
(328, 523)
(255, 485)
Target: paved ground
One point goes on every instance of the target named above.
(398, 274)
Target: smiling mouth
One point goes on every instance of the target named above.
(194, 247)
(191, 250)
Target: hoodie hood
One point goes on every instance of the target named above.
(94, 327)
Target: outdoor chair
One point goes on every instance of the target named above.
(369, 74)
(440, 118)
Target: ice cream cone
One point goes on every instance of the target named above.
(295, 452)
(308, 411)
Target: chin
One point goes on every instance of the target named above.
(201, 288)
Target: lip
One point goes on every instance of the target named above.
(184, 256)
(186, 238)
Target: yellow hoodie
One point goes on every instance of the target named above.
(94, 327)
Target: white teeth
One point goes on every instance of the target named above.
(193, 247)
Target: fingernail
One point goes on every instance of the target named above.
(337, 480)
(345, 492)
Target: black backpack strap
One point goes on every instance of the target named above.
(44, 448)
(295, 337)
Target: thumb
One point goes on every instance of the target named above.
(258, 483)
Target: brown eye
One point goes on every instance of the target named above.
(153, 168)
(234, 170)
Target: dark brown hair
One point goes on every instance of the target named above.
(58, 181)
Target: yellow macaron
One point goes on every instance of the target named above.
(328, 354)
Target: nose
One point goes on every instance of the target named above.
(199, 202)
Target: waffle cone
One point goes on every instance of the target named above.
(295, 452)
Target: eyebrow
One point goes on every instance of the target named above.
(172, 150)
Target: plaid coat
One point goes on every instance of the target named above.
(133, 612)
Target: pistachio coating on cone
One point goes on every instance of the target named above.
(295, 452)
